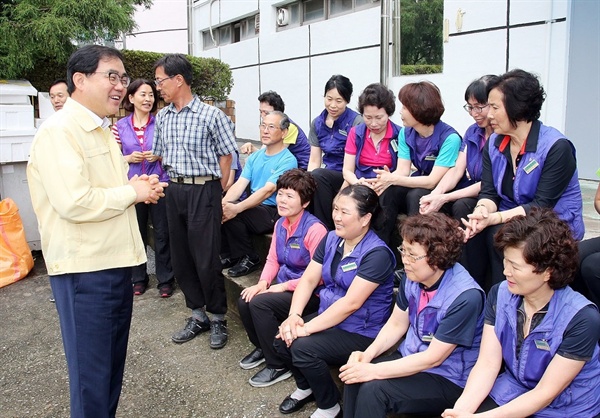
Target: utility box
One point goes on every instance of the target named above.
(17, 129)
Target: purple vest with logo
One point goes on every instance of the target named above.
(301, 149)
(425, 159)
(582, 397)
(332, 141)
(366, 171)
(423, 325)
(375, 311)
(570, 205)
(292, 255)
(472, 140)
(130, 143)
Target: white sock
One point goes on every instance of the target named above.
(327, 413)
(300, 394)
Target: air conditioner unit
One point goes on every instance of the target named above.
(283, 17)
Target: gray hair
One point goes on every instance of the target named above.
(284, 123)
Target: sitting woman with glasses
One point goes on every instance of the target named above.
(541, 332)
(134, 134)
(525, 164)
(356, 269)
(439, 311)
(427, 143)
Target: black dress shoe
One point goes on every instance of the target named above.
(218, 334)
(290, 404)
(253, 359)
(192, 328)
(243, 267)
(268, 376)
(228, 262)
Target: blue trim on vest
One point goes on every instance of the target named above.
(441, 132)
(332, 141)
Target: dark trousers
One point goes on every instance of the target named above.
(309, 359)
(421, 393)
(396, 200)
(588, 278)
(263, 315)
(94, 310)
(329, 183)
(194, 214)
(237, 232)
(158, 214)
(482, 260)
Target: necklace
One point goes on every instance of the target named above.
(346, 253)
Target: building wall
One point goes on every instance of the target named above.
(494, 37)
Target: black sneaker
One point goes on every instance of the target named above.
(253, 359)
(218, 334)
(228, 262)
(192, 328)
(165, 290)
(267, 377)
(243, 267)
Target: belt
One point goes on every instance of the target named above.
(193, 180)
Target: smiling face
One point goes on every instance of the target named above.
(96, 92)
(289, 204)
(481, 118)
(520, 277)
(58, 95)
(335, 103)
(408, 119)
(497, 114)
(347, 220)
(143, 98)
(376, 119)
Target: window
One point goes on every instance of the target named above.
(308, 11)
(231, 32)
(313, 10)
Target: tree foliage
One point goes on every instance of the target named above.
(33, 31)
(421, 31)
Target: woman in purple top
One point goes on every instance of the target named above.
(134, 133)
(327, 138)
(539, 332)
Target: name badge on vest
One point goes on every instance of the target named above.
(394, 144)
(542, 345)
(430, 158)
(349, 267)
(427, 338)
(531, 166)
(342, 132)
(295, 246)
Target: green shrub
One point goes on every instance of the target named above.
(420, 69)
(212, 77)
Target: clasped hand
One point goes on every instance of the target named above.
(358, 369)
(290, 329)
(382, 181)
(148, 188)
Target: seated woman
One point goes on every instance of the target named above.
(425, 142)
(372, 144)
(327, 138)
(439, 309)
(265, 305)
(545, 333)
(525, 164)
(357, 271)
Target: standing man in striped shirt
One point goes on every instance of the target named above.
(196, 143)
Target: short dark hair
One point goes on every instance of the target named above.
(85, 60)
(56, 82)
(523, 95)
(440, 236)
(377, 95)
(300, 181)
(273, 99)
(133, 88)
(366, 201)
(423, 100)
(546, 241)
(479, 89)
(174, 64)
(341, 84)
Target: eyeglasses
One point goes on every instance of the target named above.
(115, 78)
(269, 128)
(410, 257)
(159, 81)
(475, 109)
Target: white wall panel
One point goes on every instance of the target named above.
(284, 44)
(477, 14)
(164, 41)
(240, 54)
(524, 11)
(244, 93)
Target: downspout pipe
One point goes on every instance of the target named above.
(384, 62)
(190, 25)
(396, 40)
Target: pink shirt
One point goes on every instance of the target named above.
(311, 241)
(371, 156)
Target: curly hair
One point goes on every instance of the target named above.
(423, 100)
(547, 244)
(523, 95)
(300, 181)
(377, 95)
(440, 235)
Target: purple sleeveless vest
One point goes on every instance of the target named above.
(570, 205)
(366, 171)
(424, 164)
(293, 257)
(472, 139)
(582, 397)
(332, 141)
(130, 143)
(301, 149)
(372, 315)
(424, 325)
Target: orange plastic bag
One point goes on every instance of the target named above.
(16, 260)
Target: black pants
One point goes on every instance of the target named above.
(421, 393)
(309, 359)
(482, 259)
(329, 183)
(588, 277)
(263, 315)
(158, 214)
(396, 200)
(194, 213)
(237, 232)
